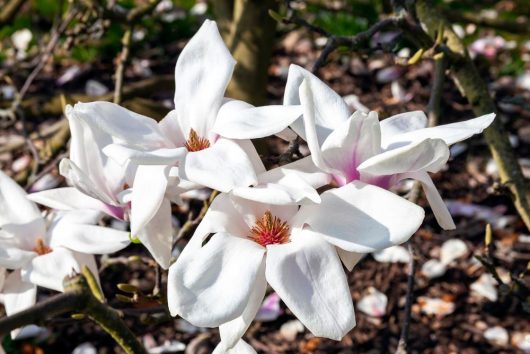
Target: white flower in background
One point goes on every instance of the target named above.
(290, 248)
(21, 40)
(40, 253)
(358, 147)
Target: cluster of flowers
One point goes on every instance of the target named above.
(265, 227)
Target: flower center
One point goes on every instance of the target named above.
(41, 248)
(195, 142)
(270, 230)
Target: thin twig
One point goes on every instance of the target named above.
(121, 62)
(404, 336)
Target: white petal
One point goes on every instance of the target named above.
(249, 149)
(241, 347)
(18, 295)
(213, 285)
(309, 278)
(66, 198)
(164, 156)
(240, 120)
(88, 238)
(401, 123)
(148, 191)
(176, 129)
(231, 332)
(303, 168)
(202, 73)
(349, 259)
(12, 257)
(373, 303)
(50, 269)
(157, 235)
(353, 142)
(16, 209)
(124, 126)
(290, 189)
(250, 210)
(396, 254)
(439, 209)
(449, 133)
(427, 155)
(223, 166)
(453, 249)
(329, 108)
(362, 218)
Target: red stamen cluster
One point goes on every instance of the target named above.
(270, 230)
(196, 143)
(41, 248)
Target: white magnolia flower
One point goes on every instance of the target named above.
(292, 249)
(358, 147)
(41, 253)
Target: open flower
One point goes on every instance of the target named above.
(357, 146)
(42, 252)
(291, 249)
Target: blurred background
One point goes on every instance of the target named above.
(54, 52)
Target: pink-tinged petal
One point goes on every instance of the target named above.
(17, 211)
(50, 269)
(449, 133)
(240, 120)
(231, 332)
(428, 155)
(303, 168)
(329, 108)
(354, 141)
(226, 268)
(439, 209)
(123, 154)
(241, 347)
(157, 235)
(401, 123)
(308, 276)
(349, 259)
(149, 190)
(202, 73)
(222, 166)
(362, 218)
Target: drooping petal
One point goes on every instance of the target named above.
(16, 209)
(349, 259)
(328, 107)
(240, 120)
(157, 235)
(401, 123)
(231, 332)
(149, 190)
(362, 218)
(308, 276)
(439, 209)
(225, 268)
(353, 142)
(427, 155)
(50, 269)
(223, 166)
(202, 73)
(303, 168)
(164, 156)
(449, 133)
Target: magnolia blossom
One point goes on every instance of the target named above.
(292, 249)
(42, 252)
(357, 146)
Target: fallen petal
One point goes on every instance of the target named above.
(289, 330)
(497, 335)
(396, 254)
(373, 303)
(453, 249)
(433, 268)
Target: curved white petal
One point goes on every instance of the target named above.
(175, 129)
(449, 133)
(149, 190)
(50, 269)
(213, 284)
(12, 257)
(362, 218)
(308, 276)
(231, 332)
(439, 209)
(241, 347)
(249, 149)
(157, 235)
(16, 209)
(349, 259)
(164, 156)
(303, 168)
(67, 198)
(427, 155)
(222, 166)
(240, 120)
(401, 123)
(88, 238)
(202, 73)
(17, 294)
(251, 210)
(329, 108)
